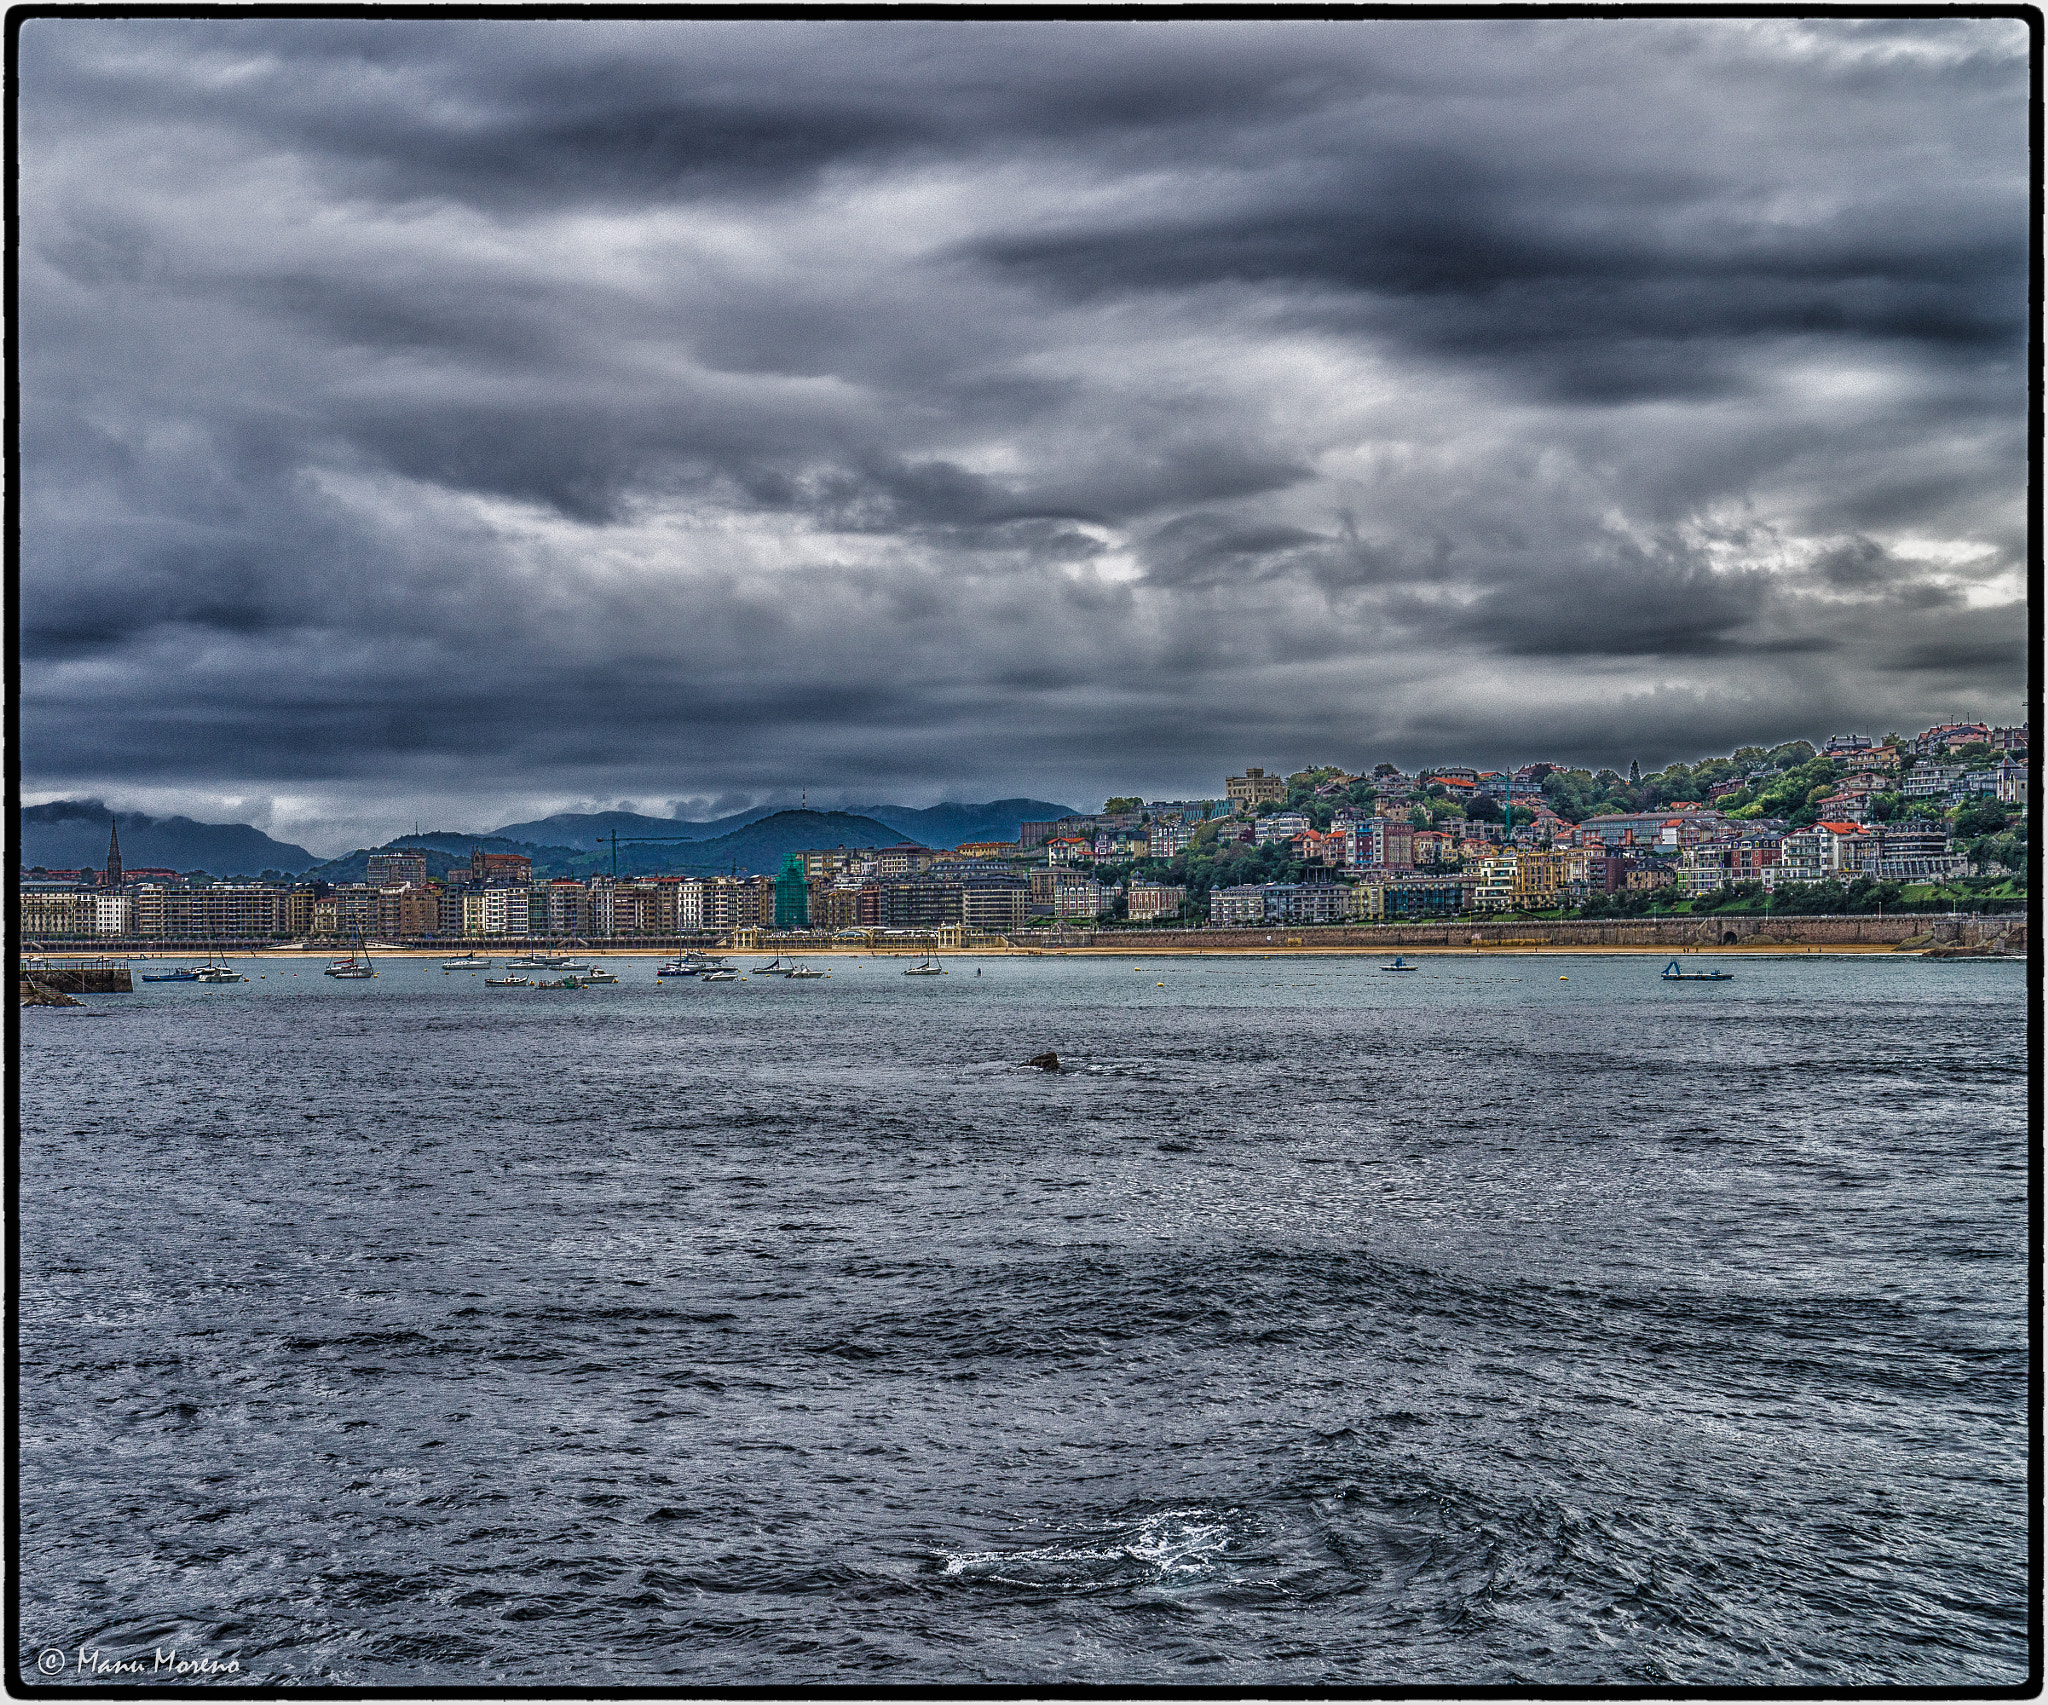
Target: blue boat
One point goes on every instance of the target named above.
(1672, 974)
(1400, 964)
(183, 974)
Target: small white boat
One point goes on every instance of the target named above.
(508, 982)
(925, 968)
(719, 976)
(217, 974)
(801, 973)
(468, 962)
(597, 974)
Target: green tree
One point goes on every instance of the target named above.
(1984, 818)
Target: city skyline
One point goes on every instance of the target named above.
(681, 413)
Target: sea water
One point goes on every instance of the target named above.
(1520, 1320)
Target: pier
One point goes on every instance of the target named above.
(70, 976)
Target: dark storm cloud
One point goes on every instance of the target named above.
(457, 417)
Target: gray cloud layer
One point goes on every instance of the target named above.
(452, 418)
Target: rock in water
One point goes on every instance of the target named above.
(1046, 1062)
(40, 994)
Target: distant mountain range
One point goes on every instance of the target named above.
(758, 847)
(71, 834)
(945, 825)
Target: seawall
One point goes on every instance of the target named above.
(1682, 934)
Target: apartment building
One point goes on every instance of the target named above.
(1539, 878)
(396, 869)
(1494, 891)
(69, 914)
(1393, 898)
(1280, 826)
(1380, 843)
(224, 912)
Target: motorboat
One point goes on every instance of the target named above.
(1672, 974)
(1400, 964)
(597, 974)
(508, 982)
(801, 973)
(691, 964)
(180, 974)
(565, 983)
(721, 975)
(217, 974)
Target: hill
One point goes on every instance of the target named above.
(950, 824)
(69, 834)
(759, 847)
(944, 825)
(756, 848)
(586, 831)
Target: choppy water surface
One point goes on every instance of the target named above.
(1320, 1326)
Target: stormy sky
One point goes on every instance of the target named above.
(455, 421)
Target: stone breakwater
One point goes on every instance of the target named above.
(1910, 933)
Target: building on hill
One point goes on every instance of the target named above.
(486, 868)
(1668, 826)
(1254, 788)
(1280, 826)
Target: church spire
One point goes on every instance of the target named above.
(112, 879)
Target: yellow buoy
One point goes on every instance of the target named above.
(1162, 985)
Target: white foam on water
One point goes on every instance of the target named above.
(1166, 1547)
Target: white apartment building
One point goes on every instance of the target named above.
(1495, 890)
